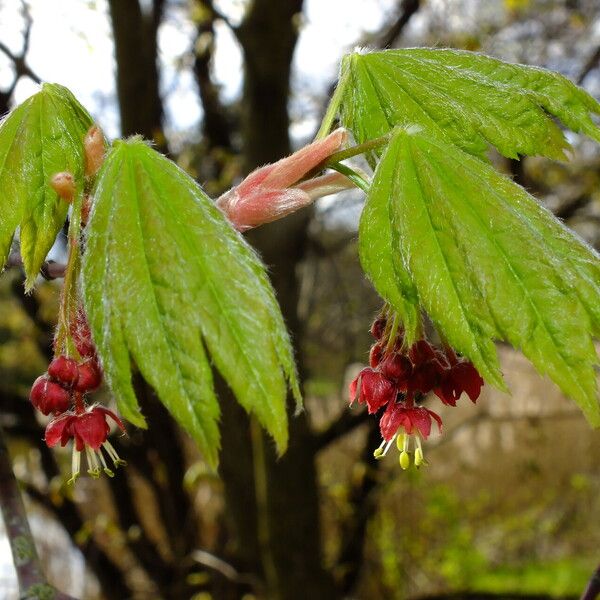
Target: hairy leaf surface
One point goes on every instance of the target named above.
(488, 262)
(470, 99)
(167, 278)
(378, 255)
(41, 137)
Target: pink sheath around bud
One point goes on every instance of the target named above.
(269, 193)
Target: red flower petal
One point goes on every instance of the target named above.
(420, 420)
(392, 419)
(112, 415)
(56, 428)
(467, 379)
(91, 429)
(420, 352)
(376, 390)
(396, 367)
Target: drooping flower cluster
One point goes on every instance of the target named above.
(399, 378)
(62, 391)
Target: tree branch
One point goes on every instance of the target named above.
(407, 9)
(50, 269)
(32, 582)
(592, 590)
(347, 423)
(590, 65)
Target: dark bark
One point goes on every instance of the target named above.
(215, 125)
(285, 529)
(135, 37)
(268, 37)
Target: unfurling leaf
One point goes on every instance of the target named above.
(471, 100)
(487, 262)
(40, 138)
(167, 280)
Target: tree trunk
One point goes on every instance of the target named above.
(135, 39)
(286, 529)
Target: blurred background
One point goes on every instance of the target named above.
(510, 504)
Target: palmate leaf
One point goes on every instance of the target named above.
(166, 279)
(472, 100)
(41, 137)
(489, 263)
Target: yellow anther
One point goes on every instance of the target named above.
(400, 441)
(418, 457)
(404, 460)
(378, 453)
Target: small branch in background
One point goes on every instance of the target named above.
(225, 569)
(340, 427)
(32, 582)
(19, 61)
(50, 270)
(407, 9)
(590, 65)
(571, 206)
(592, 591)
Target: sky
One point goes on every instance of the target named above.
(70, 44)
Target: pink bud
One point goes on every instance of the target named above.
(270, 192)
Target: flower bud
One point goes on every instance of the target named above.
(64, 185)
(64, 370)
(93, 145)
(375, 355)
(378, 327)
(89, 376)
(48, 396)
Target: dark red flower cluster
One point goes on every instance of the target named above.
(399, 378)
(62, 392)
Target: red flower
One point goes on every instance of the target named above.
(416, 423)
(398, 368)
(461, 377)
(372, 388)
(413, 419)
(89, 430)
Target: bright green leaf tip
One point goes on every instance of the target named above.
(472, 100)
(41, 137)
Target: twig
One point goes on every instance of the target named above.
(348, 422)
(590, 65)
(407, 10)
(32, 582)
(50, 269)
(593, 587)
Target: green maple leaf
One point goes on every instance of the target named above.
(471, 100)
(41, 137)
(167, 282)
(486, 262)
